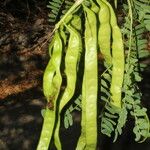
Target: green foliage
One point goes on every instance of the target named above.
(135, 24)
(107, 121)
(68, 119)
(142, 8)
(58, 8)
(136, 45)
(105, 80)
(113, 119)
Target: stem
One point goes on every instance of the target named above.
(131, 30)
(106, 70)
(115, 3)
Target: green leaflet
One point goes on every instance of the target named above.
(56, 6)
(68, 120)
(121, 122)
(142, 9)
(46, 130)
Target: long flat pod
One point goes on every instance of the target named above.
(117, 60)
(104, 32)
(82, 139)
(71, 63)
(53, 80)
(90, 81)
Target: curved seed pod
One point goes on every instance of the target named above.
(76, 22)
(51, 85)
(63, 35)
(82, 139)
(52, 68)
(90, 84)
(117, 60)
(71, 62)
(104, 32)
(94, 6)
(46, 133)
